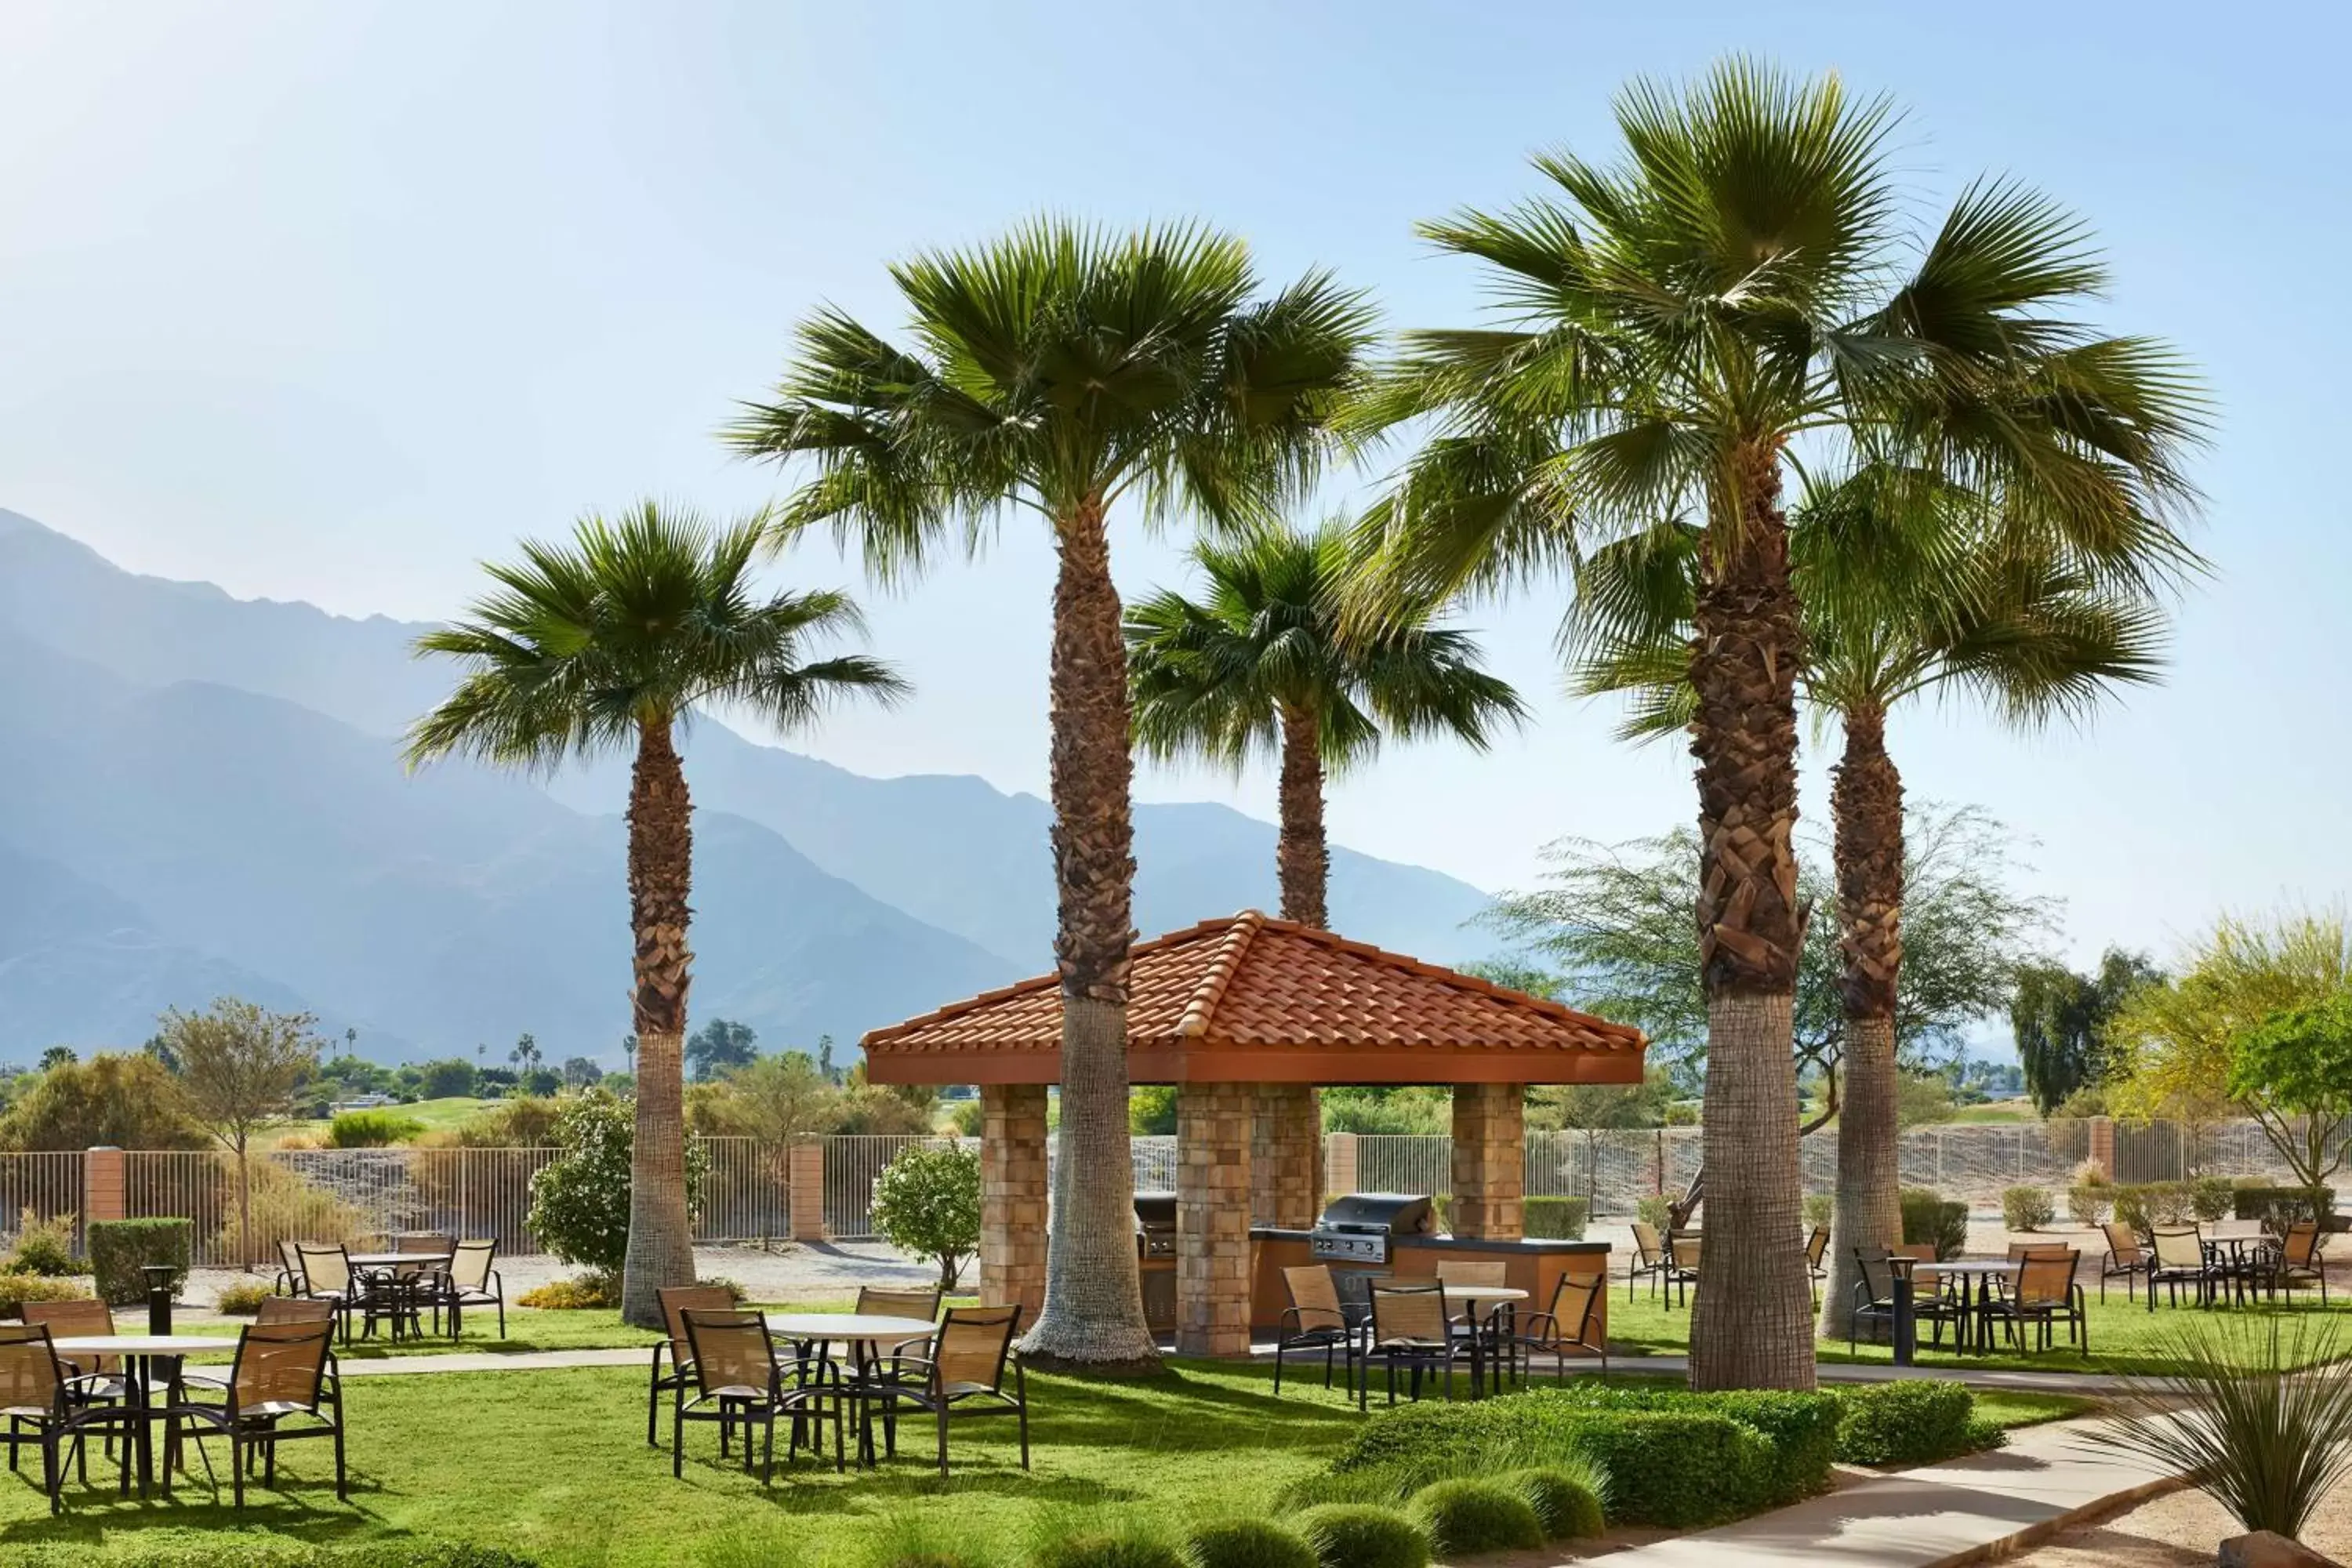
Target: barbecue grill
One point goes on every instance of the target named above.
(1360, 1227)
(1155, 1224)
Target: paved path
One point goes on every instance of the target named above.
(491, 1361)
(2057, 1380)
(1933, 1518)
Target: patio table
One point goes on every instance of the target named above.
(1491, 1296)
(139, 1353)
(403, 1271)
(1975, 1324)
(861, 1332)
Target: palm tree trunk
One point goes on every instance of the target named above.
(1866, 804)
(1093, 1315)
(1301, 858)
(661, 872)
(1753, 1321)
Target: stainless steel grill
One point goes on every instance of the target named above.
(1360, 1227)
(1155, 1224)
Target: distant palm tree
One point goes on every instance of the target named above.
(1259, 665)
(608, 643)
(1061, 370)
(1910, 588)
(1736, 294)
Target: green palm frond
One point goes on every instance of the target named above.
(639, 619)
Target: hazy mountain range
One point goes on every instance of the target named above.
(205, 798)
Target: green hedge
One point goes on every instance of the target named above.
(1673, 1458)
(2278, 1207)
(1929, 1220)
(1558, 1219)
(1466, 1516)
(1359, 1535)
(1248, 1543)
(1564, 1506)
(119, 1248)
(1914, 1421)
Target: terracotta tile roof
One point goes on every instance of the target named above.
(1250, 983)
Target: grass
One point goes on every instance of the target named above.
(433, 1115)
(528, 1329)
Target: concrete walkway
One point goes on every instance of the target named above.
(1968, 1510)
(491, 1361)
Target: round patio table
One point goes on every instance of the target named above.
(1984, 1271)
(860, 1331)
(1473, 1297)
(403, 1267)
(139, 1352)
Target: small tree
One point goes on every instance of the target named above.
(241, 1069)
(2293, 1076)
(720, 1047)
(580, 1199)
(927, 1202)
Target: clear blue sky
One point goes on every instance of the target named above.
(329, 301)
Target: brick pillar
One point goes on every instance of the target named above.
(103, 1193)
(1338, 1165)
(1286, 1156)
(1213, 1198)
(1012, 1196)
(2103, 1145)
(805, 1189)
(1490, 1177)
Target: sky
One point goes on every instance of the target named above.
(333, 302)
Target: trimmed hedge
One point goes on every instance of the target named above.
(1558, 1219)
(1914, 1421)
(1361, 1535)
(1466, 1516)
(2278, 1207)
(1248, 1543)
(2027, 1209)
(15, 1289)
(1929, 1220)
(120, 1248)
(1563, 1505)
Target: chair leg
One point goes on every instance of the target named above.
(1277, 1365)
(942, 1416)
(237, 1461)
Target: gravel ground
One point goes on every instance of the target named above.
(2180, 1529)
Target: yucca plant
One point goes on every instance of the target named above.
(2241, 1423)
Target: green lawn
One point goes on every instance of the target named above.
(2125, 1337)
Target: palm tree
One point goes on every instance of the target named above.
(1909, 589)
(1259, 665)
(1677, 331)
(609, 642)
(1060, 370)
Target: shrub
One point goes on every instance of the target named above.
(1560, 1219)
(2086, 1202)
(120, 1248)
(1819, 1208)
(1913, 1421)
(2155, 1203)
(371, 1130)
(2210, 1197)
(1104, 1549)
(594, 1291)
(243, 1299)
(43, 1245)
(895, 1540)
(1248, 1543)
(1652, 1211)
(15, 1289)
(2278, 1207)
(1567, 1507)
(1466, 1517)
(580, 1199)
(2027, 1209)
(927, 1202)
(1358, 1535)
(1927, 1220)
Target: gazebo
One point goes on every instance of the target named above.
(1247, 1016)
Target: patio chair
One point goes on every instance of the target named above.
(1410, 1328)
(1315, 1321)
(74, 1320)
(275, 1311)
(2126, 1259)
(676, 1300)
(1682, 1267)
(424, 1242)
(470, 1281)
(1500, 1324)
(1817, 1247)
(2179, 1258)
(288, 1281)
(963, 1378)
(1568, 1324)
(2045, 1290)
(1649, 1258)
(282, 1374)
(327, 1277)
(46, 1404)
(2299, 1262)
(1874, 1298)
(739, 1381)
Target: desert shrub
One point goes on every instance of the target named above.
(15, 1289)
(1561, 1219)
(927, 1202)
(734, 1287)
(1566, 1507)
(1819, 1208)
(525, 1122)
(43, 1245)
(580, 1199)
(286, 1207)
(2210, 1197)
(2278, 1207)
(1361, 1535)
(2155, 1203)
(1248, 1543)
(120, 1249)
(2087, 1201)
(1114, 1548)
(242, 1299)
(596, 1290)
(2027, 1209)
(1466, 1516)
(371, 1130)
(1913, 1421)
(1652, 1210)
(1929, 1220)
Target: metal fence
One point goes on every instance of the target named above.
(44, 1185)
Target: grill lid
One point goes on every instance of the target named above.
(1393, 1213)
(1155, 1211)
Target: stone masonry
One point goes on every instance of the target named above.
(1214, 1123)
(1012, 1196)
(1489, 1161)
(1286, 1151)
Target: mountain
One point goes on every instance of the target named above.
(209, 799)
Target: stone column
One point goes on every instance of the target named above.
(1286, 1156)
(1490, 1175)
(1212, 1199)
(103, 1191)
(1012, 1196)
(805, 1189)
(2103, 1145)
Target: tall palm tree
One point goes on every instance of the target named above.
(609, 642)
(1910, 588)
(1061, 370)
(1675, 332)
(1259, 665)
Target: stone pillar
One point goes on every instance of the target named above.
(1012, 1196)
(1212, 1199)
(103, 1193)
(2103, 1145)
(1338, 1165)
(805, 1189)
(1490, 1176)
(1286, 1156)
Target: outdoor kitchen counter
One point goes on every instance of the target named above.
(1534, 1265)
